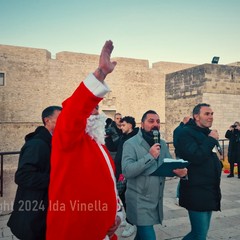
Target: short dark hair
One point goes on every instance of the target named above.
(117, 114)
(108, 122)
(129, 119)
(196, 109)
(49, 112)
(146, 113)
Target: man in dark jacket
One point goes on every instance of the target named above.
(28, 219)
(200, 194)
(233, 134)
(128, 130)
(176, 133)
(113, 134)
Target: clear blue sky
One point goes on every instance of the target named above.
(189, 31)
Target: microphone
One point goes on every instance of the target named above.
(156, 133)
(219, 149)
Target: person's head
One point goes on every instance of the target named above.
(127, 124)
(108, 122)
(150, 120)
(203, 115)
(49, 117)
(117, 119)
(237, 123)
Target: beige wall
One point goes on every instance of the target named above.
(225, 107)
(169, 67)
(217, 85)
(34, 81)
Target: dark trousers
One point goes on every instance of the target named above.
(122, 197)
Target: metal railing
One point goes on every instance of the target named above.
(2, 154)
(221, 143)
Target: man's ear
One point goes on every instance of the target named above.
(46, 120)
(196, 117)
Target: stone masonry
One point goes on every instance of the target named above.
(217, 85)
(34, 80)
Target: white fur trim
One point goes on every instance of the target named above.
(97, 87)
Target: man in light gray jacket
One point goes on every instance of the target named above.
(142, 155)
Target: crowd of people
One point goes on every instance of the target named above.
(78, 172)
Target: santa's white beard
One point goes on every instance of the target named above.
(96, 127)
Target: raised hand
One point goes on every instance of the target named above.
(105, 64)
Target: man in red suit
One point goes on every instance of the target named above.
(83, 202)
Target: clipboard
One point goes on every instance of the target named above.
(168, 165)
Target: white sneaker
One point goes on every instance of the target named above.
(128, 230)
(123, 223)
(177, 201)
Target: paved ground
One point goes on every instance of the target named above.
(225, 224)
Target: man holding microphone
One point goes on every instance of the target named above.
(201, 194)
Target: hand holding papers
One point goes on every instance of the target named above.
(169, 164)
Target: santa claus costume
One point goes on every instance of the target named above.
(82, 192)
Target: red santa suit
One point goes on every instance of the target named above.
(82, 190)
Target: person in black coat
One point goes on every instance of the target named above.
(233, 134)
(176, 133)
(28, 219)
(128, 130)
(201, 193)
(113, 133)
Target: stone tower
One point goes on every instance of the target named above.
(217, 85)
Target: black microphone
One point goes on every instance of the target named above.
(156, 133)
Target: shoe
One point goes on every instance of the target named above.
(123, 223)
(230, 175)
(238, 176)
(128, 230)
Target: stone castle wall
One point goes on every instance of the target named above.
(218, 85)
(34, 81)
(170, 67)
